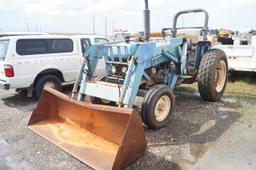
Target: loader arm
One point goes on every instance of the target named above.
(138, 57)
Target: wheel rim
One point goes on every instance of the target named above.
(220, 76)
(162, 108)
(104, 101)
(49, 84)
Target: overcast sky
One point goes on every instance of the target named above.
(76, 15)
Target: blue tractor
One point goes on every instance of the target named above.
(152, 69)
(107, 133)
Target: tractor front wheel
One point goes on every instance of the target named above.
(157, 106)
(96, 100)
(213, 75)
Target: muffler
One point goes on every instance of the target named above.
(102, 137)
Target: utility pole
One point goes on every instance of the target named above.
(113, 27)
(93, 25)
(182, 21)
(27, 27)
(1, 28)
(106, 26)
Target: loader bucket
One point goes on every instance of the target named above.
(102, 137)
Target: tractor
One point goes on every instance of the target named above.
(107, 133)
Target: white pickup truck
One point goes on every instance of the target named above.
(241, 57)
(32, 62)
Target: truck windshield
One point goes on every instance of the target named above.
(3, 48)
(121, 36)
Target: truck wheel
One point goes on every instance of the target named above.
(47, 81)
(96, 100)
(213, 75)
(157, 106)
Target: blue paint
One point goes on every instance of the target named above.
(137, 57)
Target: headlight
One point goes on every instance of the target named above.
(124, 69)
(113, 69)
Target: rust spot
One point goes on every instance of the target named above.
(67, 131)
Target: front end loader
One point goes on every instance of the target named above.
(107, 133)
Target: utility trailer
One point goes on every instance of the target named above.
(241, 56)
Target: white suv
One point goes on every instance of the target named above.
(33, 61)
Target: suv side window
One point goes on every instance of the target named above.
(85, 43)
(29, 47)
(100, 40)
(60, 45)
(43, 46)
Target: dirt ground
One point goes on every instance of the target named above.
(201, 135)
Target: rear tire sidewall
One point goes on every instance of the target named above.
(149, 104)
(207, 86)
(217, 95)
(45, 79)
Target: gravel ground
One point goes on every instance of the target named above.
(201, 136)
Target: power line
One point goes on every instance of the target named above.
(106, 26)
(93, 24)
(27, 27)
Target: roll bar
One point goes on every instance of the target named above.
(203, 28)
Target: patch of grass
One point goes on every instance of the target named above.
(241, 89)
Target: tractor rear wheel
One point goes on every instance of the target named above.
(213, 75)
(157, 106)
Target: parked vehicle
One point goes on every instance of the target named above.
(120, 36)
(241, 54)
(5, 34)
(33, 61)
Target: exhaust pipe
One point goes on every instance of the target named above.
(146, 21)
